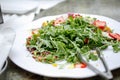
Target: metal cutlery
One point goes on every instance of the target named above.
(107, 74)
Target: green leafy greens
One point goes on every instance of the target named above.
(60, 42)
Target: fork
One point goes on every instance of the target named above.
(107, 74)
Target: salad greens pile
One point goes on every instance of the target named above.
(62, 38)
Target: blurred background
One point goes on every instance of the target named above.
(20, 12)
(110, 8)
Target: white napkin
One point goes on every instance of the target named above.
(7, 36)
(18, 6)
(16, 22)
(24, 6)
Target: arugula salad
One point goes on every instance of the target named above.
(62, 38)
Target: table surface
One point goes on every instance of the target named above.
(109, 8)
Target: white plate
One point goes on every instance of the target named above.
(21, 57)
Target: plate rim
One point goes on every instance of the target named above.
(57, 75)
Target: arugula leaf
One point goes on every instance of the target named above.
(93, 57)
(67, 39)
(116, 46)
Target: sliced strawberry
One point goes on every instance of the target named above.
(58, 21)
(112, 35)
(102, 27)
(118, 36)
(80, 65)
(73, 15)
(115, 36)
(100, 24)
